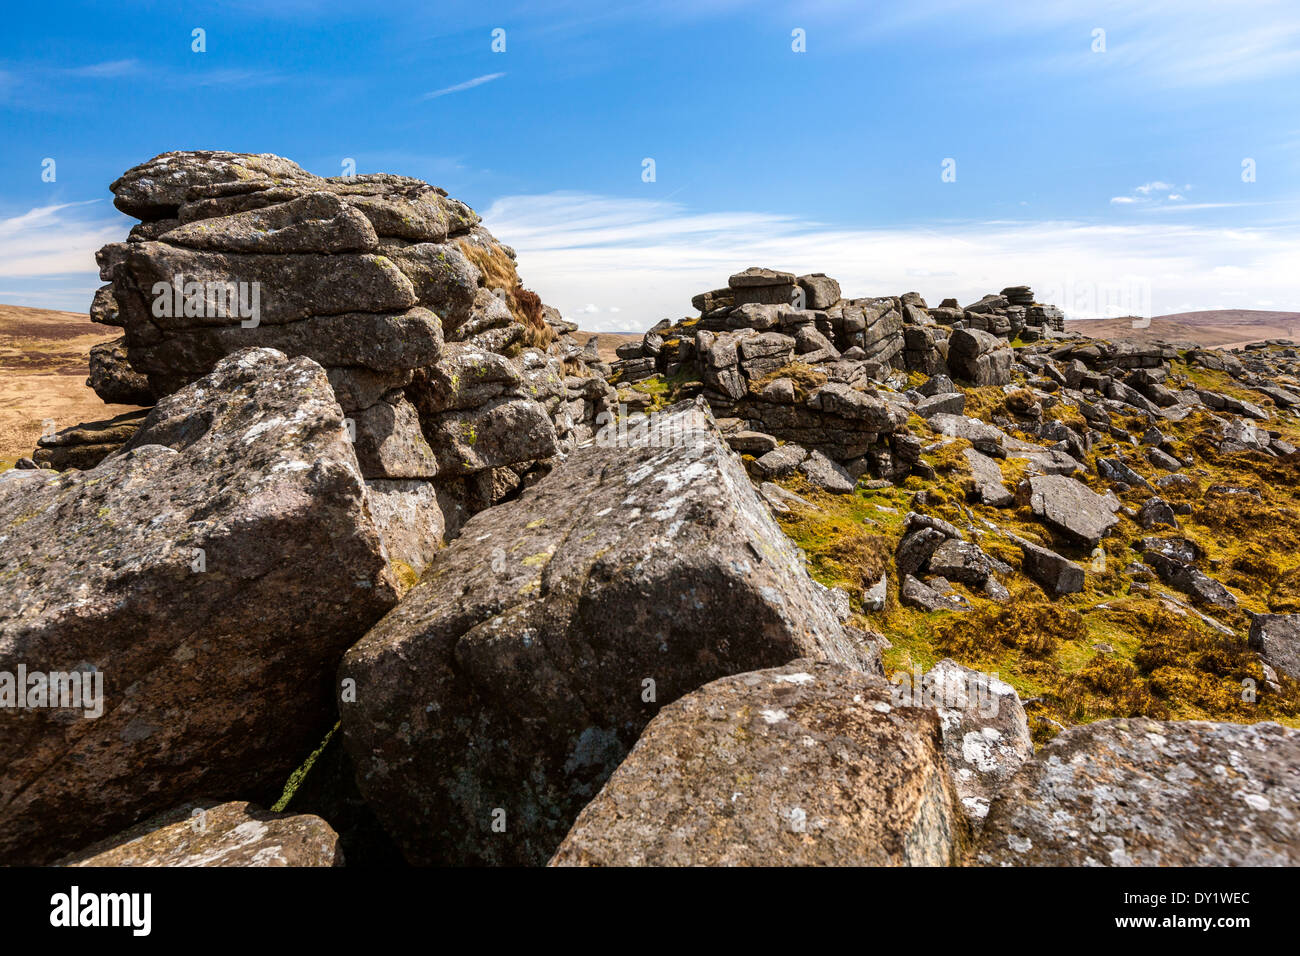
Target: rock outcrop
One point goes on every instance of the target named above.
(391, 285)
(384, 484)
(514, 677)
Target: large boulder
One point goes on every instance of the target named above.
(191, 185)
(1187, 578)
(1057, 574)
(210, 574)
(1141, 792)
(759, 286)
(204, 833)
(986, 480)
(314, 222)
(515, 676)
(500, 432)
(289, 286)
(979, 357)
(822, 292)
(375, 341)
(802, 765)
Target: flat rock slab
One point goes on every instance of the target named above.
(216, 679)
(1069, 506)
(1057, 574)
(1141, 792)
(986, 478)
(514, 677)
(226, 834)
(809, 764)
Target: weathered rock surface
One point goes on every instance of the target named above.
(1190, 579)
(806, 764)
(214, 680)
(979, 357)
(1140, 792)
(211, 834)
(409, 519)
(1277, 638)
(513, 677)
(113, 379)
(985, 733)
(918, 594)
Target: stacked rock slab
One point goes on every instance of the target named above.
(388, 283)
(193, 593)
(497, 698)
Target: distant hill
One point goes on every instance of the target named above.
(609, 341)
(43, 368)
(1216, 328)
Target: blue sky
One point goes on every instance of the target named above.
(1098, 176)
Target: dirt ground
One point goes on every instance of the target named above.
(43, 368)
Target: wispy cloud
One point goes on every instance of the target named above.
(1166, 43)
(1156, 192)
(576, 249)
(55, 240)
(233, 77)
(107, 70)
(467, 85)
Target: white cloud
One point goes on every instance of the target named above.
(55, 240)
(574, 248)
(1158, 194)
(467, 85)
